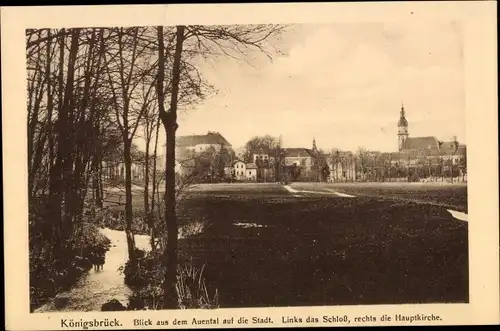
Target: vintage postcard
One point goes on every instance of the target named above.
(251, 165)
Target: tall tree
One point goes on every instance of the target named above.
(125, 75)
(207, 40)
(150, 127)
(260, 145)
(169, 121)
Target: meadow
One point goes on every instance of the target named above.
(264, 246)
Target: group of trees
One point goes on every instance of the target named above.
(90, 92)
(270, 160)
(209, 165)
(373, 166)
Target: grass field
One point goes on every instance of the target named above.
(389, 244)
(444, 194)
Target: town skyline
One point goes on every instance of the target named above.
(342, 84)
(324, 145)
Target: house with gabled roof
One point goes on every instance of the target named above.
(199, 143)
(251, 172)
(239, 169)
(310, 162)
(299, 156)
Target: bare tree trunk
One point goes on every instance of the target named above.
(147, 210)
(155, 186)
(169, 120)
(59, 192)
(128, 201)
(146, 182)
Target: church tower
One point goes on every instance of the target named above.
(402, 129)
(314, 148)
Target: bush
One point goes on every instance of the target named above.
(113, 305)
(136, 276)
(49, 277)
(414, 178)
(146, 279)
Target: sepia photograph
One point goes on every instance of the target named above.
(164, 172)
(250, 165)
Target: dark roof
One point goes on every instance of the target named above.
(402, 118)
(427, 153)
(212, 138)
(421, 143)
(251, 166)
(298, 152)
(402, 121)
(450, 147)
(238, 161)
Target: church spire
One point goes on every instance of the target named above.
(402, 119)
(402, 128)
(314, 144)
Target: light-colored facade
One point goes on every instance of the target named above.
(240, 170)
(342, 167)
(262, 157)
(188, 147)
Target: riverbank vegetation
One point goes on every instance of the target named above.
(49, 276)
(91, 91)
(146, 282)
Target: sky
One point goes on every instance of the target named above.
(342, 84)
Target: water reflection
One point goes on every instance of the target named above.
(98, 287)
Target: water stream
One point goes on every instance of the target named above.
(98, 287)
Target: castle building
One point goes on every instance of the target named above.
(188, 147)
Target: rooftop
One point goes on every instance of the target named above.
(298, 152)
(211, 138)
(421, 143)
(251, 166)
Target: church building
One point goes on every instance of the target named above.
(429, 149)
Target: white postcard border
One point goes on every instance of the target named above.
(479, 20)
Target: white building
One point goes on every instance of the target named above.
(240, 170)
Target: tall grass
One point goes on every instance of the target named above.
(146, 284)
(192, 290)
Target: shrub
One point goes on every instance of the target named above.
(136, 276)
(113, 305)
(146, 281)
(48, 278)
